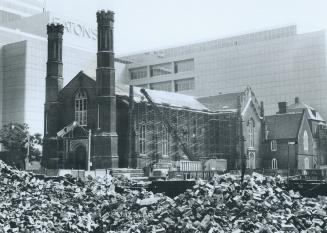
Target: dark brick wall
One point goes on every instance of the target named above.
(122, 131)
(54, 158)
(296, 154)
(281, 155)
(67, 99)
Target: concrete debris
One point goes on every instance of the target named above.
(260, 204)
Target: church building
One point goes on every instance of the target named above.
(96, 123)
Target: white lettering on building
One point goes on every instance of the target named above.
(77, 28)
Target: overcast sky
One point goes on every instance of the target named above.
(142, 25)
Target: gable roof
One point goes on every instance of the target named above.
(159, 97)
(284, 126)
(78, 78)
(312, 113)
(230, 102)
(162, 98)
(223, 102)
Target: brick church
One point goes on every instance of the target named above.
(98, 123)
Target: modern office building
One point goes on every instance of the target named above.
(278, 64)
(16, 9)
(23, 56)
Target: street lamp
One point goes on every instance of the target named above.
(75, 124)
(28, 142)
(288, 158)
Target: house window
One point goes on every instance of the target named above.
(273, 145)
(165, 141)
(305, 141)
(274, 164)
(251, 133)
(81, 108)
(142, 138)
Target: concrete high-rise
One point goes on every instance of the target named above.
(279, 64)
(23, 55)
(16, 9)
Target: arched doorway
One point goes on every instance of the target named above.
(251, 160)
(306, 163)
(80, 157)
(78, 151)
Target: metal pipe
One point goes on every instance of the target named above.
(89, 152)
(288, 161)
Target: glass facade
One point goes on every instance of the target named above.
(278, 64)
(161, 69)
(138, 73)
(184, 66)
(184, 84)
(162, 86)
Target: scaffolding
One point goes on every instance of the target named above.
(207, 135)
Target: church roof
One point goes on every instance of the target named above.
(159, 97)
(162, 98)
(221, 102)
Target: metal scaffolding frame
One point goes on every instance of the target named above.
(206, 134)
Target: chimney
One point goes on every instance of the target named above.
(262, 109)
(106, 139)
(53, 81)
(53, 85)
(54, 64)
(297, 100)
(282, 106)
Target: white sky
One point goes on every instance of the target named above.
(142, 25)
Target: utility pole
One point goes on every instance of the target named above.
(288, 158)
(89, 164)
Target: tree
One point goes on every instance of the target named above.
(14, 138)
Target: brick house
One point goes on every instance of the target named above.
(317, 126)
(289, 141)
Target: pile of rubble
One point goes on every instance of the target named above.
(260, 204)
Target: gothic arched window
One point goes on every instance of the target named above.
(165, 141)
(305, 141)
(251, 133)
(81, 108)
(142, 139)
(274, 164)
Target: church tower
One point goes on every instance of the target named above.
(54, 83)
(105, 140)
